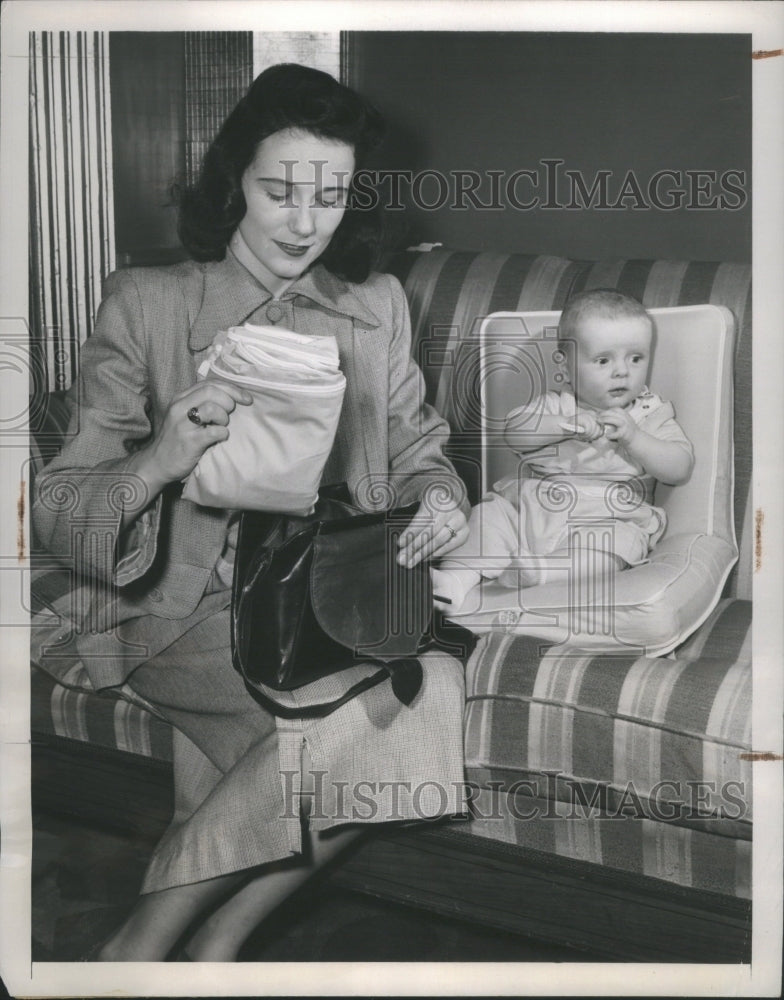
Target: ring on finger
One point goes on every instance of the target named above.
(451, 530)
(193, 416)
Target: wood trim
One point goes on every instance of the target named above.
(624, 916)
(101, 785)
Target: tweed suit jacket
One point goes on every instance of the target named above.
(140, 589)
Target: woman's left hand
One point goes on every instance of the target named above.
(432, 534)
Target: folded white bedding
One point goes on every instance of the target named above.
(275, 455)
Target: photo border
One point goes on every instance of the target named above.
(765, 23)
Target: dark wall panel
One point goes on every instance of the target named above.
(618, 103)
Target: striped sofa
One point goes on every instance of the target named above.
(611, 794)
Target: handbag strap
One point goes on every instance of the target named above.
(406, 674)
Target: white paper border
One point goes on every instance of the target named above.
(765, 22)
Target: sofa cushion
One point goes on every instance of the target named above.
(669, 738)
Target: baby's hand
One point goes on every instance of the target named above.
(618, 425)
(583, 425)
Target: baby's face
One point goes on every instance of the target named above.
(608, 364)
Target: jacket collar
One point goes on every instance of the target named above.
(231, 294)
(333, 294)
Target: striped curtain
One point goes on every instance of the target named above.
(71, 195)
(218, 71)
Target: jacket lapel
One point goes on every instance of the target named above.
(230, 294)
(333, 294)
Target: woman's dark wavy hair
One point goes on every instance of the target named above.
(287, 96)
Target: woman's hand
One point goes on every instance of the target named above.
(432, 534)
(180, 442)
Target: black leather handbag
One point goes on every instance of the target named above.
(315, 595)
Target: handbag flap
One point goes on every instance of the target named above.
(361, 596)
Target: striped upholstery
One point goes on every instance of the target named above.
(685, 856)
(615, 719)
(620, 722)
(631, 763)
(108, 719)
(636, 764)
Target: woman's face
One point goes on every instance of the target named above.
(295, 190)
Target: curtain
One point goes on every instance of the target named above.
(71, 196)
(218, 71)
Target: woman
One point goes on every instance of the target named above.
(271, 223)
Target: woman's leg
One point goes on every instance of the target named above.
(160, 919)
(222, 934)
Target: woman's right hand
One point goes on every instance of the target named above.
(180, 443)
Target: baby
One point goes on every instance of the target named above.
(590, 453)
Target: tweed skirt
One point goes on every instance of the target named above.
(238, 769)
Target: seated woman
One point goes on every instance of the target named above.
(274, 239)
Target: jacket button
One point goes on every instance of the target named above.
(156, 595)
(274, 313)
